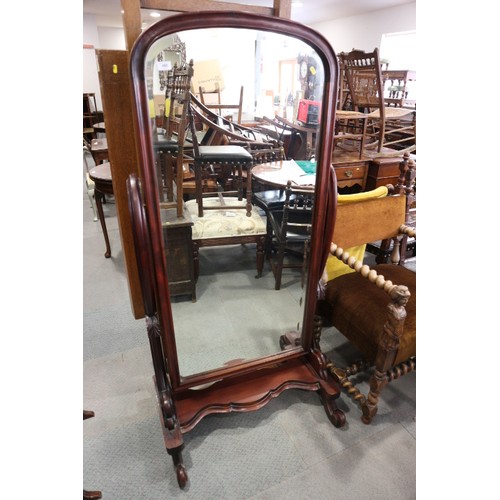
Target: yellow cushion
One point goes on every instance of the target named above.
(152, 112)
(334, 267)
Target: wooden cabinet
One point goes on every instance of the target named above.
(177, 236)
(383, 171)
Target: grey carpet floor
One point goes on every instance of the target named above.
(287, 450)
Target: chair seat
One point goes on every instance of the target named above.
(364, 320)
(166, 145)
(391, 113)
(224, 154)
(341, 114)
(225, 223)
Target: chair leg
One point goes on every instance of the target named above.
(370, 407)
(278, 267)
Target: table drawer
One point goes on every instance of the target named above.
(352, 175)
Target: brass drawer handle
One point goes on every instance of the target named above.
(348, 173)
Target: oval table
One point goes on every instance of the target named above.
(101, 175)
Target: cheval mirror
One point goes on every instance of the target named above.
(228, 349)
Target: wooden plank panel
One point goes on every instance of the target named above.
(198, 5)
(131, 21)
(116, 95)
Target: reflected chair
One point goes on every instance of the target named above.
(389, 130)
(373, 308)
(214, 130)
(224, 164)
(169, 146)
(299, 140)
(289, 231)
(219, 106)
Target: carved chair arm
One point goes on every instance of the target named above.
(408, 231)
(398, 294)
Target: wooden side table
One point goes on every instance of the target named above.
(99, 150)
(103, 185)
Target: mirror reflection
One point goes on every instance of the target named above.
(235, 114)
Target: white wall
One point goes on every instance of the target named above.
(99, 38)
(365, 31)
(361, 32)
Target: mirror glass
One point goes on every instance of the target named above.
(237, 317)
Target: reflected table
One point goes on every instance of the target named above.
(277, 174)
(101, 175)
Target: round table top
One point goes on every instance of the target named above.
(278, 173)
(101, 172)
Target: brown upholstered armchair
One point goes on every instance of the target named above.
(373, 308)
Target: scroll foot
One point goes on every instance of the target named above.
(182, 476)
(180, 470)
(336, 416)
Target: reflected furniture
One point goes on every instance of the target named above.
(238, 383)
(179, 248)
(218, 105)
(387, 127)
(170, 146)
(100, 175)
(227, 225)
(299, 139)
(215, 130)
(290, 231)
(374, 308)
(225, 164)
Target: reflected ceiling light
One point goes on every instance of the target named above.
(297, 4)
(155, 14)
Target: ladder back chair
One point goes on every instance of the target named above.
(170, 146)
(229, 165)
(289, 231)
(219, 105)
(389, 130)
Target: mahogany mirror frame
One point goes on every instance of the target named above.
(325, 206)
(252, 384)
